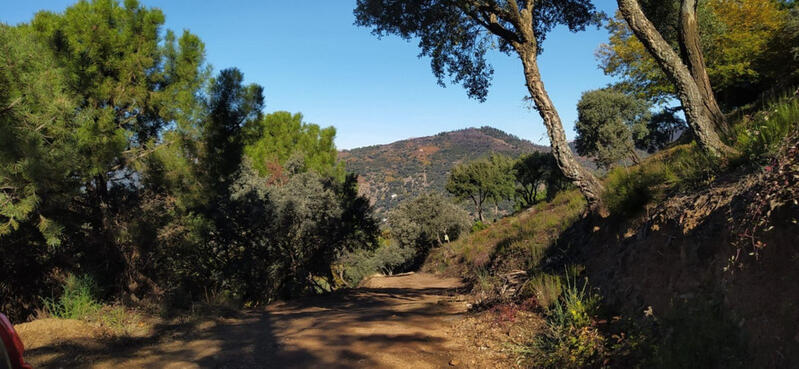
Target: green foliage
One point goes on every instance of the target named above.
(482, 179)
(512, 243)
(570, 338)
(763, 134)
(230, 106)
(685, 167)
(535, 171)
(608, 125)
(747, 47)
(427, 221)
(459, 53)
(77, 301)
(387, 259)
(116, 147)
(274, 139)
(546, 288)
(38, 148)
(628, 190)
(479, 226)
(661, 130)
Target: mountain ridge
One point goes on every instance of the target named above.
(393, 172)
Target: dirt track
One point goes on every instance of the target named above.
(393, 322)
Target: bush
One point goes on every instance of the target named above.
(77, 301)
(629, 190)
(478, 226)
(426, 221)
(690, 167)
(387, 259)
(767, 130)
(570, 338)
(546, 288)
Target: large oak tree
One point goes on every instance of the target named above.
(688, 75)
(456, 34)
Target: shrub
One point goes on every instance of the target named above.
(767, 129)
(426, 221)
(546, 288)
(77, 300)
(570, 338)
(629, 190)
(690, 167)
(478, 226)
(388, 258)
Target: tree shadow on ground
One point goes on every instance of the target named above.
(348, 329)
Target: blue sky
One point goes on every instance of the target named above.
(310, 58)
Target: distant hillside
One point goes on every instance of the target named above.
(403, 169)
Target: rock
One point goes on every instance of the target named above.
(454, 362)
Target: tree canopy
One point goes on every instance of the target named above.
(457, 34)
(123, 159)
(608, 125)
(481, 180)
(274, 139)
(740, 40)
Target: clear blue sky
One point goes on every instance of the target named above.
(310, 58)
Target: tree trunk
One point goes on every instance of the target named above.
(478, 205)
(695, 60)
(671, 64)
(588, 184)
(634, 157)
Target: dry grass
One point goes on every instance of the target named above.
(513, 243)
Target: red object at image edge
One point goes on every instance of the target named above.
(13, 344)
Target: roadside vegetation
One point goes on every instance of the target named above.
(173, 191)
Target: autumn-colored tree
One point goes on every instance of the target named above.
(699, 105)
(740, 41)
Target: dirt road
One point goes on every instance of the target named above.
(393, 322)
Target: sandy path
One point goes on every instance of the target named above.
(393, 322)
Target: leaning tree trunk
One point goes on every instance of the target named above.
(687, 89)
(588, 184)
(691, 48)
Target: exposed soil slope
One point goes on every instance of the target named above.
(732, 247)
(394, 322)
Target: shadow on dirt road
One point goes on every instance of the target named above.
(393, 322)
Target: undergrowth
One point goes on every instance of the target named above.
(575, 338)
(513, 243)
(684, 168)
(77, 300)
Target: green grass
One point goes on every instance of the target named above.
(570, 339)
(546, 289)
(685, 168)
(77, 300)
(762, 134)
(519, 242)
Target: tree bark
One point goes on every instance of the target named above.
(694, 58)
(588, 184)
(672, 65)
(634, 157)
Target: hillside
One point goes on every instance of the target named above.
(403, 169)
(708, 270)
